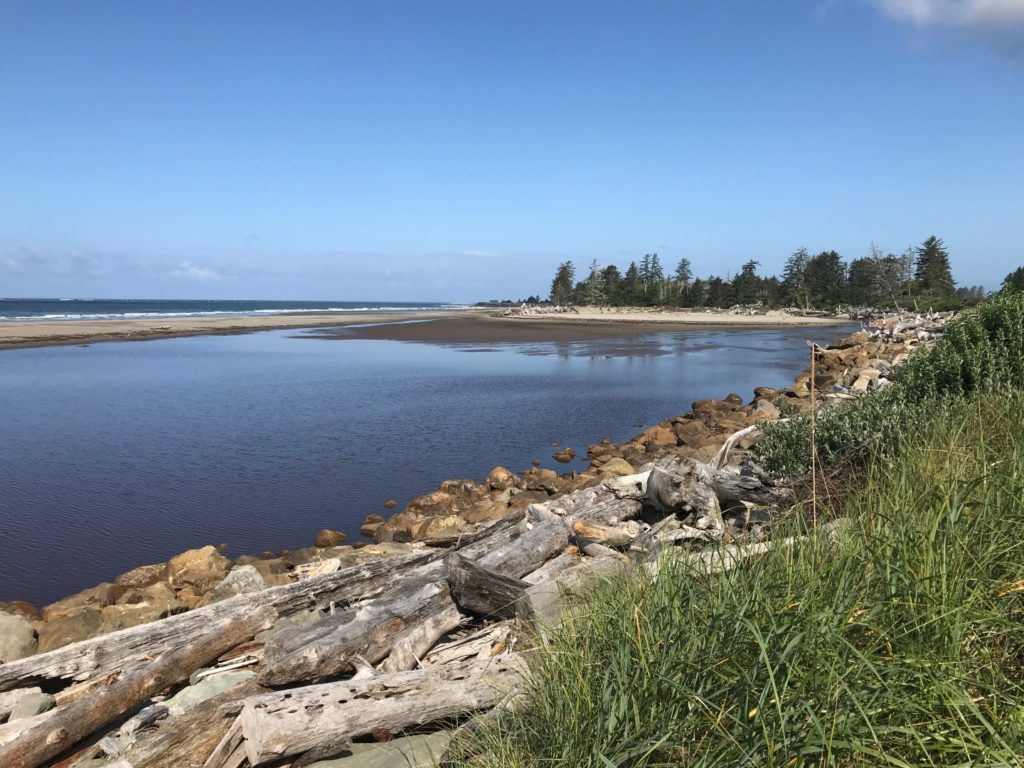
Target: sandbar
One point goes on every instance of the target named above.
(471, 326)
(585, 325)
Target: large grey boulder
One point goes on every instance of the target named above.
(17, 638)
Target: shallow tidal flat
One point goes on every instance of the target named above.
(119, 454)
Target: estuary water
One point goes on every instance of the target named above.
(117, 454)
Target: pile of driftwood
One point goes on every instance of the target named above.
(390, 646)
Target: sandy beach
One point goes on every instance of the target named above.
(463, 326)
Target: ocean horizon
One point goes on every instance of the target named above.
(36, 309)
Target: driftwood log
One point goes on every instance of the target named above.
(294, 722)
(327, 648)
(74, 722)
(686, 488)
(129, 649)
(482, 591)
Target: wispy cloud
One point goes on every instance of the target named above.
(965, 13)
(199, 272)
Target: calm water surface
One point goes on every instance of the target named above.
(119, 454)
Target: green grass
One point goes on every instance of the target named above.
(981, 351)
(900, 643)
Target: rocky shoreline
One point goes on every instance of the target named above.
(459, 513)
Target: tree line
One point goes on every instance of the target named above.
(820, 281)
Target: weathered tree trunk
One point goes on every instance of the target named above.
(528, 552)
(482, 591)
(411, 645)
(750, 483)
(327, 647)
(78, 720)
(684, 487)
(608, 503)
(130, 649)
(294, 722)
(187, 739)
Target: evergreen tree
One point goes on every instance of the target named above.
(720, 293)
(611, 283)
(746, 284)
(825, 278)
(1014, 282)
(863, 286)
(794, 279)
(697, 295)
(631, 284)
(932, 271)
(562, 285)
(593, 291)
(683, 276)
(656, 272)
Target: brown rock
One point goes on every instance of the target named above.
(20, 608)
(370, 525)
(565, 456)
(690, 430)
(522, 500)
(659, 436)
(617, 467)
(79, 624)
(712, 406)
(100, 596)
(765, 392)
(500, 479)
(115, 617)
(142, 576)
(437, 503)
(440, 528)
(328, 538)
(201, 568)
(538, 479)
(734, 399)
(390, 504)
(159, 594)
(187, 597)
(766, 410)
(466, 488)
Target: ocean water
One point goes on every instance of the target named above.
(119, 454)
(97, 309)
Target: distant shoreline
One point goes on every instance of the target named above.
(449, 326)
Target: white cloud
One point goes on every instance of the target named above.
(969, 13)
(192, 271)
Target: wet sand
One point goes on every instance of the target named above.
(587, 325)
(451, 327)
(15, 334)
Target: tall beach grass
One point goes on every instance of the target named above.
(898, 642)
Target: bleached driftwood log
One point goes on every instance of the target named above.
(749, 482)
(410, 646)
(527, 552)
(294, 722)
(130, 649)
(74, 722)
(608, 503)
(482, 591)
(185, 739)
(686, 488)
(327, 647)
(371, 628)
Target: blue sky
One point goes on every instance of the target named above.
(460, 150)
